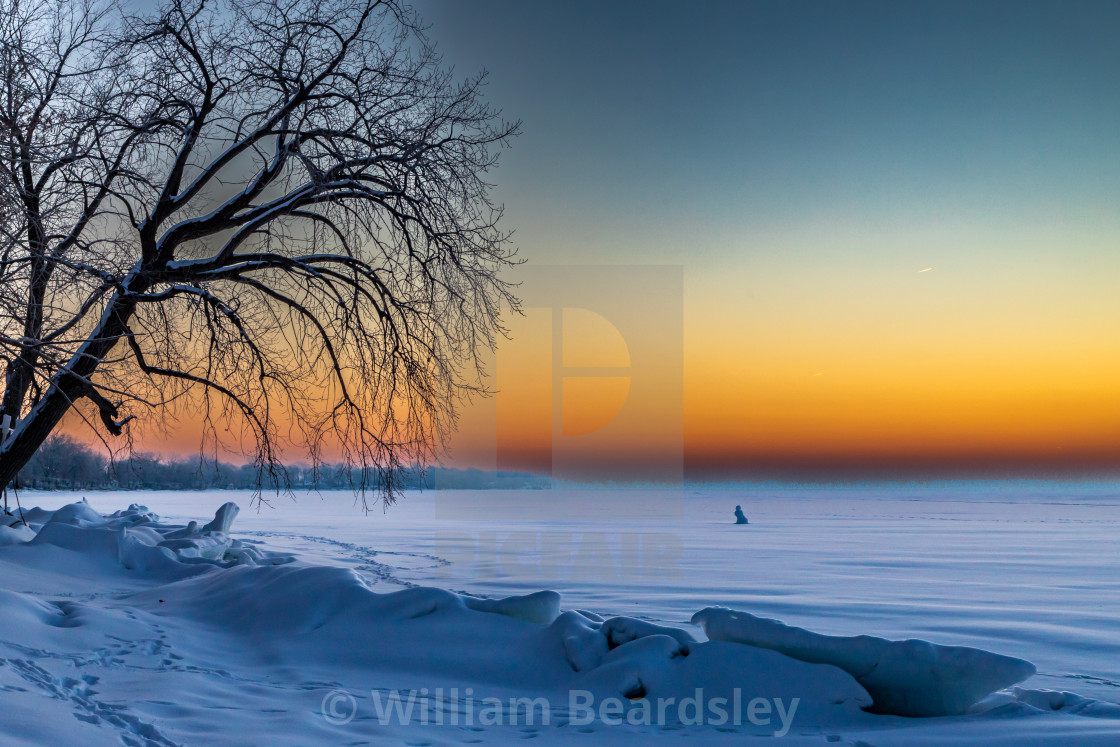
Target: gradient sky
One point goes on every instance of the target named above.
(898, 226)
(803, 162)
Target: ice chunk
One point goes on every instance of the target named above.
(119, 546)
(136, 540)
(223, 519)
(211, 547)
(539, 607)
(620, 630)
(904, 678)
(584, 644)
(190, 530)
(589, 643)
(145, 534)
(634, 659)
(134, 515)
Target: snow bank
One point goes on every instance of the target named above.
(16, 534)
(255, 643)
(539, 607)
(136, 539)
(327, 622)
(904, 678)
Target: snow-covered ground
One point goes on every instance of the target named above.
(308, 620)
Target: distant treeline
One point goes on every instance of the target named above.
(62, 463)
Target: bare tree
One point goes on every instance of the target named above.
(272, 214)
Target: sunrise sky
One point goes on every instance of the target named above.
(896, 228)
(898, 223)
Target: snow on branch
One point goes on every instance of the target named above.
(276, 211)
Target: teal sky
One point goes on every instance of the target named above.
(658, 129)
(803, 161)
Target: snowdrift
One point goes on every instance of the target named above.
(329, 620)
(136, 539)
(233, 613)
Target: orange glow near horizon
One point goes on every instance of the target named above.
(791, 365)
(855, 368)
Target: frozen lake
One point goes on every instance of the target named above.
(1029, 569)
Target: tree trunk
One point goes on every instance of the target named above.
(21, 369)
(66, 388)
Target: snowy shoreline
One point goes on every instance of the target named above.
(141, 631)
